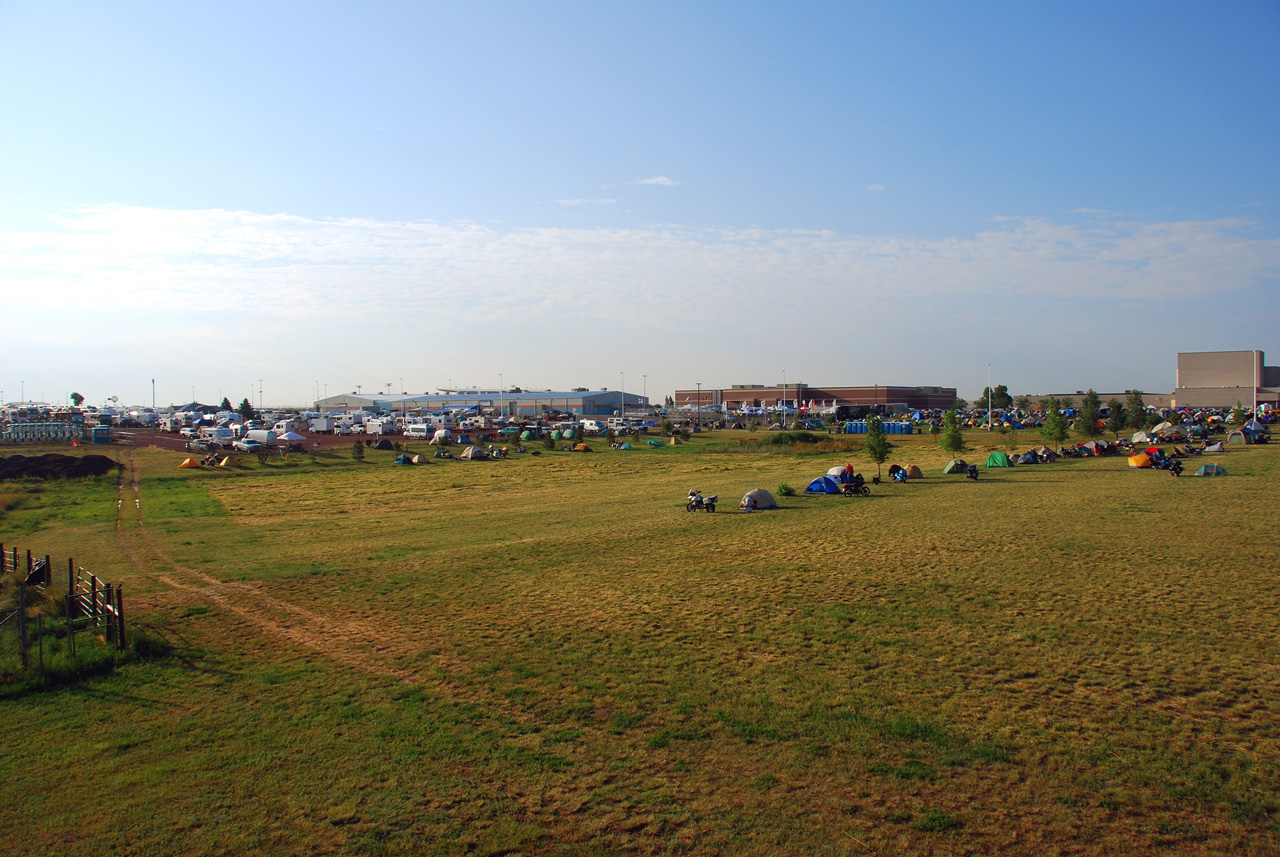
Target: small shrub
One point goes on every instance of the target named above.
(548, 441)
(785, 490)
(934, 821)
(753, 426)
(357, 451)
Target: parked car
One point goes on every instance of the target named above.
(247, 446)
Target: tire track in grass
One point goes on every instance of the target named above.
(345, 642)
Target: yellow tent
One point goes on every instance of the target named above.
(1139, 460)
(418, 459)
(190, 462)
(582, 447)
(226, 462)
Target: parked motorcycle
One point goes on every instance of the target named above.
(856, 488)
(971, 472)
(697, 501)
(1176, 467)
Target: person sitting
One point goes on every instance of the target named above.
(748, 504)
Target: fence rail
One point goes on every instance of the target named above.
(87, 605)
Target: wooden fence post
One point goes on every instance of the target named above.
(110, 619)
(48, 571)
(93, 600)
(120, 616)
(71, 585)
(22, 621)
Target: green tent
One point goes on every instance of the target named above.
(655, 443)
(567, 434)
(1211, 469)
(998, 459)
(1237, 437)
(625, 446)
(526, 435)
(555, 434)
(956, 465)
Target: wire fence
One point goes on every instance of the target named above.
(41, 612)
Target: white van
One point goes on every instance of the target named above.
(419, 431)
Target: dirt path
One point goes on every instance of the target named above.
(346, 642)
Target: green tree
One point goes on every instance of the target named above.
(226, 404)
(1238, 415)
(357, 451)
(1087, 418)
(246, 411)
(77, 399)
(1022, 403)
(877, 444)
(999, 397)
(1067, 403)
(960, 404)
(1054, 429)
(668, 402)
(1119, 419)
(1137, 409)
(952, 439)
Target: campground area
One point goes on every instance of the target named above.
(550, 655)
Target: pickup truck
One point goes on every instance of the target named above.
(246, 446)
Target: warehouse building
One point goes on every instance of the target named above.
(798, 392)
(515, 404)
(1220, 379)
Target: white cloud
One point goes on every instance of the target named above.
(875, 187)
(283, 290)
(570, 203)
(659, 180)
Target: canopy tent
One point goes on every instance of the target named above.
(291, 436)
(1139, 461)
(956, 465)
(758, 498)
(823, 485)
(998, 459)
(1211, 468)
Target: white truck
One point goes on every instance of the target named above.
(266, 437)
(380, 425)
(593, 427)
(322, 425)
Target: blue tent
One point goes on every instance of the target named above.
(823, 485)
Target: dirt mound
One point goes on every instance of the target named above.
(54, 466)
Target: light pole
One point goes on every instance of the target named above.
(622, 395)
(644, 389)
(259, 394)
(784, 397)
(989, 394)
(697, 419)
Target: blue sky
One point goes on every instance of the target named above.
(557, 194)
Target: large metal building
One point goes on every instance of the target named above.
(797, 392)
(1220, 379)
(525, 404)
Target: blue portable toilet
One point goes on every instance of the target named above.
(102, 434)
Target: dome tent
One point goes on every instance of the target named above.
(758, 498)
(823, 485)
(1211, 468)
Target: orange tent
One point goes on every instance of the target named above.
(190, 462)
(1139, 460)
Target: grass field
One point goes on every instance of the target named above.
(550, 656)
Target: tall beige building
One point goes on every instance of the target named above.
(1220, 379)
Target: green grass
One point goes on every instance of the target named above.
(549, 655)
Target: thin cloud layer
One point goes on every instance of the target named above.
(659, 180)
(171, 260)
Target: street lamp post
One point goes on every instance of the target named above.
(697, 420)
(622, 394)
(989, 395)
